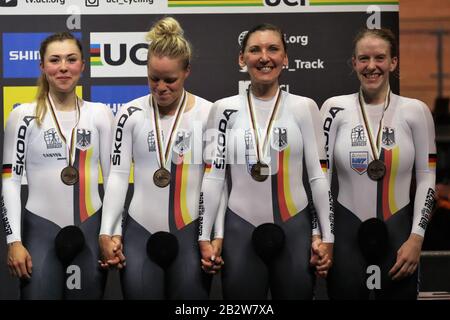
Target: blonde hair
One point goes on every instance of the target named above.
(42, 83)
(166, 39)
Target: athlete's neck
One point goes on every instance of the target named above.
(377, 97)
(264, 91)
(64, 101)
(171, 109)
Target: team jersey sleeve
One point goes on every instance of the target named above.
(329, 128)
(219, 223)
(104, 124)
(121, 160)
(211, 195)
(314, 155)
(14, 155)
(422, 129)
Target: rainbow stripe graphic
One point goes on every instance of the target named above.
(432, 160)
(215, 3)
(386, 186)
(207, 168)
(94, 52)
(351, 2)
(179, 191)
(283, 201)
(7, 171)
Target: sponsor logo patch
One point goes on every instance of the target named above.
(358, 137)
(151, 141)
(359, 161)
(250, 152)
(52, 139)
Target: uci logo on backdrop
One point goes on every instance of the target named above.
(118, 54)
(289, 3)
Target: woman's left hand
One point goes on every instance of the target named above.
(321, 256)
(408, 257)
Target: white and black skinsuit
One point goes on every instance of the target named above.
(407, 148)
(173, 208)
(295, 137)
(40, 152)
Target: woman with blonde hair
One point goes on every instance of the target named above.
(162, 133)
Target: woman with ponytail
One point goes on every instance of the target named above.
(58, 141)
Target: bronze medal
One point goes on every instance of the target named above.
(161, 177)
(69, 175)
(376, 170)
(259, 170)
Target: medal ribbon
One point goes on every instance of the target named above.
(253, 122)
(69, 147)
(163, 156)
(375, 148)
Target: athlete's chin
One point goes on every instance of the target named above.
(65, 88)
(265, 80)
(164, 101)
(371, 86)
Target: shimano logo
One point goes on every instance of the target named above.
(21, 55)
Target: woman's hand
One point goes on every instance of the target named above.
(321, 256)
(19, 260)
(211, 255)
(408, 257)
(111, 252)
(217, 253)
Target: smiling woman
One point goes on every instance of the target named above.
(268, 238)
(59, 141)
(374, 140)
(62, 66)
(264, 54)
(374, 59)
(62, 63)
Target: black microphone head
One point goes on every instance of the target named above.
(162, 248)
(373, 240)
(268, 240)
(68, 243)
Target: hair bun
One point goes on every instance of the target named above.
(166, 27)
